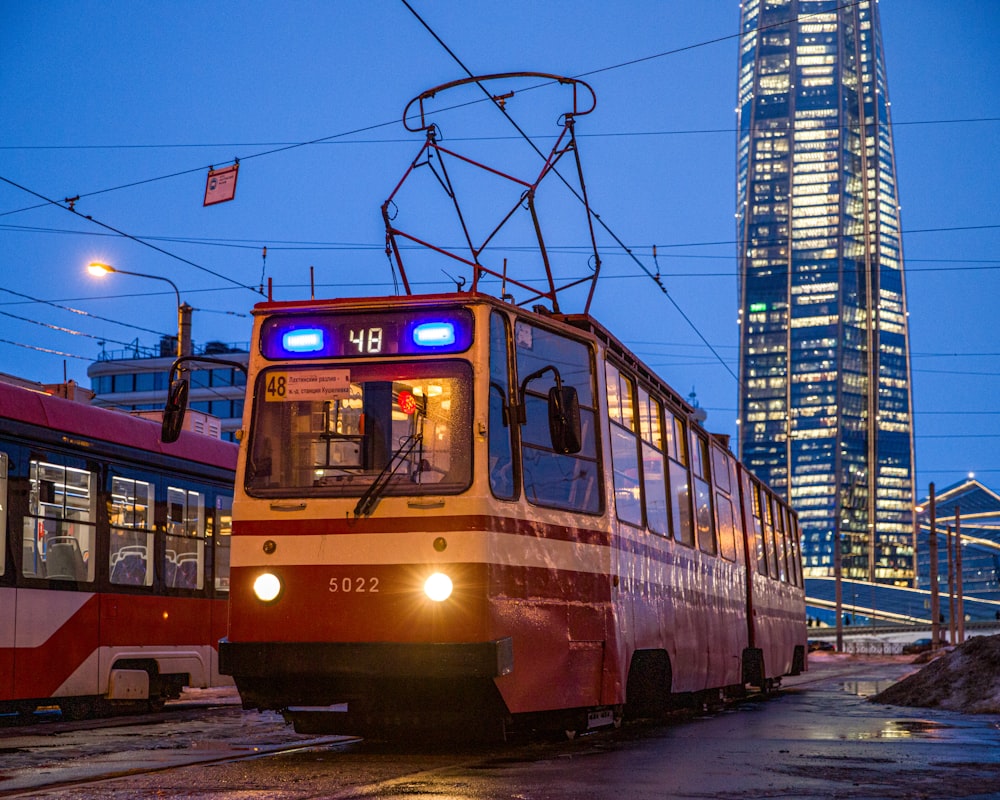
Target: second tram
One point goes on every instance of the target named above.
(455, 513)
(114, 558)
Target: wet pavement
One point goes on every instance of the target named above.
(820, 738)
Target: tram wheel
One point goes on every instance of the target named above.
(77, 708)
(647, 691)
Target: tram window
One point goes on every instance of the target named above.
(780, 540)
(699, 455)
(184, 567)
(627, 394)
(720, 470)
(680, 504)
(556, 479)
(727, 527)
(538, 347)
(675, 433)
(3, 513)
(680, 490)
(654, 483)
(59, 530)
(650, 413)
(501, 456)
(624, 447)
(722, 474)
(795, 537)
(131, 517)
(703, 516)
(758, 528)
(222, 537)
(768, 533)
(614, 395)
(413, 418)
(625, 464)
(655, 490)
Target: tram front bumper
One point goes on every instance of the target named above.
(282, 674)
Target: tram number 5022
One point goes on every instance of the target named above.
(354, 585)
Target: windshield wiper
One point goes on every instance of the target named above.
(371, 497)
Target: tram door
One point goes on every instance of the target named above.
(569, 481)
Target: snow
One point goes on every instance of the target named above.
(964, 679)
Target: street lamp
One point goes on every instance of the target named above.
(99, 269)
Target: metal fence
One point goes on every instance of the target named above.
(872, 647)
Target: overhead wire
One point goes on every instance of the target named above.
(82, 313)
(655, 277)
(329, 140)
(597, 217)
(629, 251)
(62, 329)
(47, 350)
(129, 236)
(293, 245)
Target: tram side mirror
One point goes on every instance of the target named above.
(564, 420)
(173, 412)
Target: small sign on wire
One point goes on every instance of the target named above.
(221, 185)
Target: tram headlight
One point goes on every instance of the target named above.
(438, 587)
(267, 587)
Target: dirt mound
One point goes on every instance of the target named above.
(967, 679)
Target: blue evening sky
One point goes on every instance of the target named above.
(127, 105)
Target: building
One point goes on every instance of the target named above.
(966, 511)
(825, 407)
(136, 380)
(69, 390)
(970, 512)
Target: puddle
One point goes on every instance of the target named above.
(906, 729)
(866, 688)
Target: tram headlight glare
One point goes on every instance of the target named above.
(438, 587)
(267, 587)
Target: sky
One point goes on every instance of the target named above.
(126, 106)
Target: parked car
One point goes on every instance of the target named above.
(820, 644)
(917, 646)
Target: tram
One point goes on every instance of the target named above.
(452, 511)
(114, 558)
(473, 512)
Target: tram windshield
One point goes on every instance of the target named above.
(332, 431)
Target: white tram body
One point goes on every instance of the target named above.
(393, 446)
(113, 557)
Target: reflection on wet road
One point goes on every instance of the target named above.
(819, 738)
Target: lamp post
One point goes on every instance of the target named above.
(99, 269)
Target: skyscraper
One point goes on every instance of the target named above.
(825, 402)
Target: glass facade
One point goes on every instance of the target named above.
(825, 403)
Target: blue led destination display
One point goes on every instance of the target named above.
(358, 335)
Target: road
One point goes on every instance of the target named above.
(819, 738)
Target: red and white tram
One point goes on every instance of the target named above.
(452, 511)
(114, 557)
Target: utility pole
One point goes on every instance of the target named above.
(958, 572)
(949, 541)
(935, 598)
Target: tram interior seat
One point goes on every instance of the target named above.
(129, 566)
(30, 564)
(181, 570)
(63, 559)
(187, 571)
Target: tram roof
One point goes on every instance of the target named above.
(116, 427)
(583, 322)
